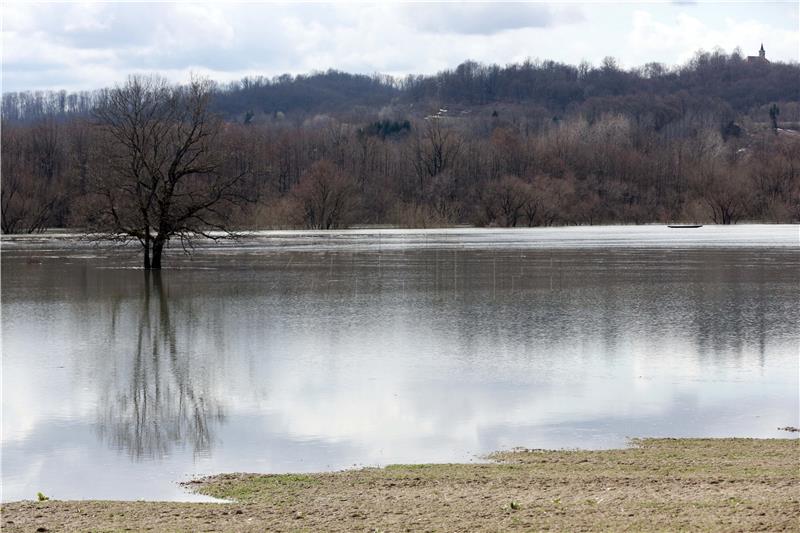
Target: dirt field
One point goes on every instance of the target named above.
(655, 485)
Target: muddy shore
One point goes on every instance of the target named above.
(654, 485)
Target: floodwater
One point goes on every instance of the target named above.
(300, 351)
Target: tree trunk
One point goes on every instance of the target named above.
(146, 246)
(158, 248)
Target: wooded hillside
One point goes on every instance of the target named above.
(538, 143)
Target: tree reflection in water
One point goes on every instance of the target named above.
(160, 402)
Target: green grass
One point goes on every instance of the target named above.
(246, 488)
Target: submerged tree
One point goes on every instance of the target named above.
(506, 201)
(160, 171)
(325, 196)
(32, 187)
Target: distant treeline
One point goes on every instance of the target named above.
(727, 83)
(536, 143)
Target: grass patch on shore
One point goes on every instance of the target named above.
(653, 485)
(254, 487)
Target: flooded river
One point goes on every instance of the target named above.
(302, 351)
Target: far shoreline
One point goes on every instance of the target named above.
(80, 231)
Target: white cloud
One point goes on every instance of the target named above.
(82, 46)
(485, 19)
(686, 34)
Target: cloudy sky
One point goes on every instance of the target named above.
(87, 45)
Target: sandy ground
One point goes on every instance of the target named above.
(655, 485)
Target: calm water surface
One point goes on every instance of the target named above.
(293, 351)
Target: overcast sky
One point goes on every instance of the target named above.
(90, 45)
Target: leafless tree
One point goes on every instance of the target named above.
(435, 150)
(325, 196)
(160, 171)
(29, 191)
(506, 200)
(726, 193)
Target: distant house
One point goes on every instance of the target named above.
(760, 58)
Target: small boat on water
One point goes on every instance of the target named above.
(685, 226)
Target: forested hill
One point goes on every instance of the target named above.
(538, 143)
(722, 84)
(726, 82)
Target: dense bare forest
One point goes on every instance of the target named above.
(532, 144)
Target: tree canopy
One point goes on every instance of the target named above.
(159, 169)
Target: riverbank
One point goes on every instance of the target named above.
(654, 485)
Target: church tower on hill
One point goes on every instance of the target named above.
(760, 58)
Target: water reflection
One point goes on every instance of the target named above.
(272, 358)
(153, 399)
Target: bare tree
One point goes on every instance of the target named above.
(161, 173)
(506, 200)
(25, 205)
(434, 150)
(325, 196)
(552, 198)
(29, 192)
(726, 192)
